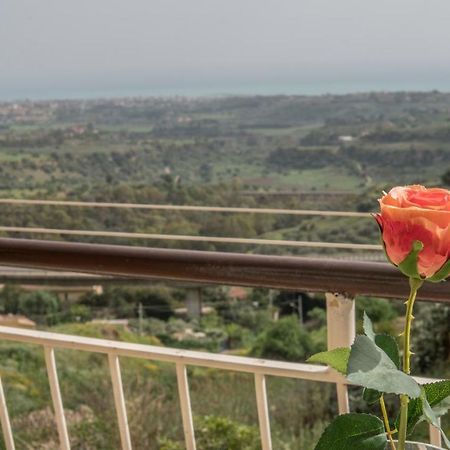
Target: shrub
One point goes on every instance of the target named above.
(39, 303)
(220, 433)
(285, 340)
(431, 337)
(77, 313)
(378, 309)
(124, 302)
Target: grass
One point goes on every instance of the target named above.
(326, 179)
(288, 131)
(11, 156)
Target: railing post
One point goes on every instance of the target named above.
(185, 404)
(4, 418)
(194, 303)
(119, 400)
(341, 333)
(435, 436)
(263, 411)
(61, 425)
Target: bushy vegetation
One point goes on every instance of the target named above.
(286, 340)
(42, 306)
(223, 402)
(221, 433)
(431, 341)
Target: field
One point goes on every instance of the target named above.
(326, 143)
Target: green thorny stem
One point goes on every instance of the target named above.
(386, 422)
(414, 284)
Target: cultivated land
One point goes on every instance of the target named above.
(327, 142)
(221, 151)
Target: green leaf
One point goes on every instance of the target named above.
(442, 408)
(337, 358)
(353, 431)
(441, 274)
(371, 396)
(390, 347)
(437, 395)
(409, 265)
(437, 391)
(431, 417)
(368, 327)
(371, 367)
(384, 341)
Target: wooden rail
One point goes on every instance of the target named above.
(278, 272)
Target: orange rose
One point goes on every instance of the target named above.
(415, 213)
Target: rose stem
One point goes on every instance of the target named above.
(386, 422)
(414, 284)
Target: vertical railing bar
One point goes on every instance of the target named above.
(56, 398)
(185, 404)
(119, 401)
(4, 418)
(263, 411)
(342, 398)
(435, 435)
(340, 333)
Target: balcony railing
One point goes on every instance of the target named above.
(339, 280)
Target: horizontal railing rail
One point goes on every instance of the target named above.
(278, 272)
(185, 208)
(172, 355)
(193, 238)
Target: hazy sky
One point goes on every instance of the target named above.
(86, 45)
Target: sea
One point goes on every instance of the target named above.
(215, 90)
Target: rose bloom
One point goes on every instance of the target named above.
(415, 213)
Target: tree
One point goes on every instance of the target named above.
(284, 340)
(220, 433)
(39, 303)
(446, 178)
(431, 339)
(124, 302)
(10, 298)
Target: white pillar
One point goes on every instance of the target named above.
(341, 333)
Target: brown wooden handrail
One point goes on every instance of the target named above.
(279, 272)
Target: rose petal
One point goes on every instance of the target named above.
(398, 237)
(440, 218)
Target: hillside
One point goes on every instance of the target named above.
(221, 151)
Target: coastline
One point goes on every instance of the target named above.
(212, 91)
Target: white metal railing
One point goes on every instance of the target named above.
(186, 208)
(341, 332)
(193, 238)
(189, 238)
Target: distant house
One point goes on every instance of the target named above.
(183, 312)
(122, 322)
(16, 320)
(346, 138)
(237, 293)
